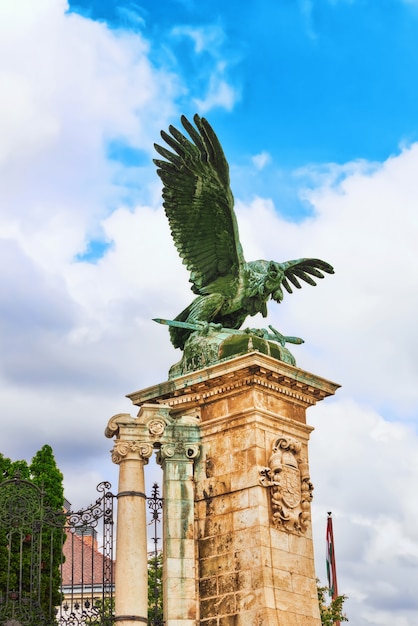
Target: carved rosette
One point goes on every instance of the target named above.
(288, 479)
(156, 427)
(124, 450)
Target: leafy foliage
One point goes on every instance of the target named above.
(333, 612)
(103, 613)
(155, 589)
(18, 548)
(9, 469)
(9, 559)
(46, 475)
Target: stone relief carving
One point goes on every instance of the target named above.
(288, 479)
(156, 427)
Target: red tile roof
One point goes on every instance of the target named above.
(84, 564)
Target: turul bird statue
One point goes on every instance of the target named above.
(199, 205)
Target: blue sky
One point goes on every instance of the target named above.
(325, 81)
(315, 103)
(306, 82)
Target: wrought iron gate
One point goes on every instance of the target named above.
(56, 567)
(87, 584)
(52, 571)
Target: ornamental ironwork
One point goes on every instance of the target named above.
(57, 566)
(155, 592)
(81, 590)
(87, 570)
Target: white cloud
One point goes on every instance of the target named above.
(359, 327)
(73, 86)
(205, 39)
(361, 468)
(366, 226)
(261, 160)
(75, 337)
(220, 94)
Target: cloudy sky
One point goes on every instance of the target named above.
(316, 105)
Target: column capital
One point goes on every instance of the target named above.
(154, 427)
(131, 450)
(150, 423)
(178, 451)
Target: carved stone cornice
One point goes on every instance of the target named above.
(112, 427)
(255, 369)
(150, 422)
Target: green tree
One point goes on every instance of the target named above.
(155, 589)
(9, 560)
(17, 548)
(9, 469)
(332, 612)
(45, 474)
(103, 613)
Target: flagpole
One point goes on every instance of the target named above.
(331, 566)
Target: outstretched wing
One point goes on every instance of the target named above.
(199, 204)
(304, 269)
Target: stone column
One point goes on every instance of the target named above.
(179, 562)
(177, 442)
(134, 444)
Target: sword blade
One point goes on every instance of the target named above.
(278, 337)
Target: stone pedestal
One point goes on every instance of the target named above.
(253, 536)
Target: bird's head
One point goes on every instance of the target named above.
(263, 282)
(273, 281)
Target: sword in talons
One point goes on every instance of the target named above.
(274, 336)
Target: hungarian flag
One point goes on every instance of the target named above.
(331, 569)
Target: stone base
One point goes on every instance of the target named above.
(251, 571)
(252, 490)
(205, 349)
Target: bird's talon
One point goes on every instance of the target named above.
(215, 325)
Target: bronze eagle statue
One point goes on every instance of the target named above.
(199, 205)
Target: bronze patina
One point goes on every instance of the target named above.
(199, 205)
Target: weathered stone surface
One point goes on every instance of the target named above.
(264, 574)
(177, 444)
(219, 382)
(221, 605)
(251, 571)
(208, 587)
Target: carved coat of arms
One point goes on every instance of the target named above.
(290, 487)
